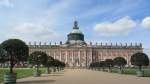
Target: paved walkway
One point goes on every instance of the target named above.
(83, 76)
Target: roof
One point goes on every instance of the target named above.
(76, 31)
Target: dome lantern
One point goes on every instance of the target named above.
(75, 25)
(75, 36)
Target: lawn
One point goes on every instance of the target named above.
(133, 72)
(21, 72)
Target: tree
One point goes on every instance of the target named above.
(49, 63)
(17, 51)
(13, 51)
(109, 63)
(120, 62)
(140, 59)
(103, 64)
(62, 65)
(37, 58)
(56, 63)
(94, 65)
(3, 55)
(97, 65)
(91, 65)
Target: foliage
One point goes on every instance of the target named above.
(58, 63)
(50, 61)
(120, 61)
(103, 64)
(16, 51)
(38, 58)
(16, 48)
(3, 55)
(109, 62)
(100, 64)
(139, 59)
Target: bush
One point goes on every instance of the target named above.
(139, 59)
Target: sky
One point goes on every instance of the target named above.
(121, 21)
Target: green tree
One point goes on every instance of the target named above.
(58, 65)
(38, 58)
(13, 51)
(120, 62)
(3, 55)
(103, 65)
(139, 59)
(17, 51)
(49, 63)
(109, 63)
(96, 65)
(93, 65)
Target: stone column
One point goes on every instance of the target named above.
(54, 55)
(72, 57)
(79, 56)
(66, 56)
(49, 52)
(60, 55)
(101, 56)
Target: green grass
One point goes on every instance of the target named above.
(133, 72)
(130, 71)
(21, 72)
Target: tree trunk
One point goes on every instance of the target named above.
(140, 68)
(11, 69)
(11, 64)
(48, 70)
(109, 69)
(103, 68)
(37, 68)
(120, 68)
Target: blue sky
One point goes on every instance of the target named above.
(100, 20)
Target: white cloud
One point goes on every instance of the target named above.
(29, 28)
(36, 31)
(40, 23)
(146, 22)
(120, 27)
(7, 3)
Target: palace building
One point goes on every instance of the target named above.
(75, 52)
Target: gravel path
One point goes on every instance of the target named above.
(83, 76)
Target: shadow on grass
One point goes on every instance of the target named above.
(146, 76)
(52, 75)
(36, 82)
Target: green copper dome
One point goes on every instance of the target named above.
(75, 29)
(75, 36)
